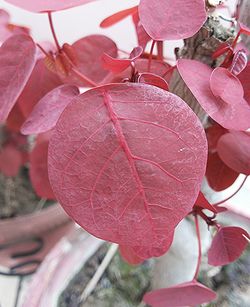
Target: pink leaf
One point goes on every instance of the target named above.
(225, 85)
(129, 255)
(153, 79)
(196, 75)
(142, 36)
(172, 19)
(186, 294)
(239, 62)
(89, 51)
(39, 170)
(16, 66)
(39, 84)
(234, 151)
(43, 6)
(119, 65)
(117, 17)
(204, 204)
(10, 160)
(46, 113)
(116, 154)
(227, 245)
(244, 78)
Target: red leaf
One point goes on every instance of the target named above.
(244, 78)
(196, 75)
(226, 86)
(244, 29)
(129, 255)
(186, 294)
(43, 6)
(172, 19)
(39, 84)
(114, 162)
(16, 66)
(153, 79)
(10, 160)
(218, 174)
(119, 16)
(214, 133)
(227, 245)
(89, 51)
(204, 204)
(119, 65)
(46, 113)
(234, 151)
(39, 170)
(239, 62)
(142, 36)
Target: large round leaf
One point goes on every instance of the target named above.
(43, 6)
(126, 162)
(172, 19)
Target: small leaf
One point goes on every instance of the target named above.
(129, 255)
(47, 111)
(116, 154)
(196, 75)
(239, 62)
(225, 85)
(186, 294)
(204, 204)
(153, 79)
(43, 6)
(39, 170)
(117, 17)
(16, 66)
(172, 19)
(10, 160)
(234, 151)
(227, 245)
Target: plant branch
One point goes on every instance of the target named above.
(53, 31)
(239, 188)
(98, 274)
(199, 247)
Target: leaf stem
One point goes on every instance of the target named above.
(160, 55)
(231, 196)
(199, 247)
(53, 31)
(151, 55)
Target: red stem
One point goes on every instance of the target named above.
(224, 200)
(43, 50)
(199, 247)
(151, 55)
(160, 51)
(53, 31)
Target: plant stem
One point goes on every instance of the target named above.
(160, 51)
(83, 78)
(151, 56)
(224, 200)
(199, 247)
(98, 274)
(43, 50)
(53, 31)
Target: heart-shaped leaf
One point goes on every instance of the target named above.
(196, 75)
(116, 155)
(46, 113)
(43, 6)
(186, 294)
(225, 85)
(227, 245)
(172, 19)
(234, 151)
(16, 66)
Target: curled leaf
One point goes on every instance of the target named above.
(186, 294)
(239, 62)
(153, 79)
(227, 245)
(116, 154)
(117, 17)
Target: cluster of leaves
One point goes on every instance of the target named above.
(126, 158)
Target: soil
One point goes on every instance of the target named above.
(17, 196)
(121, 285)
